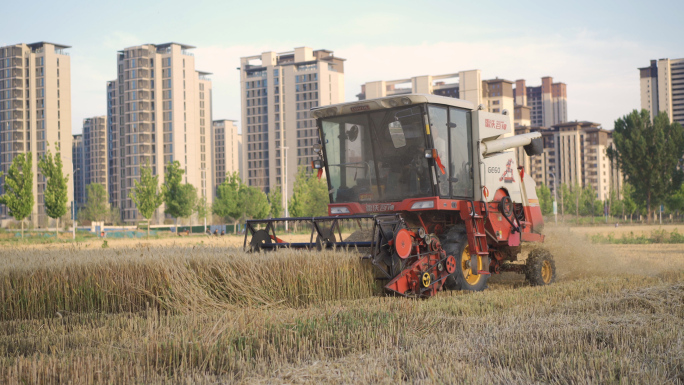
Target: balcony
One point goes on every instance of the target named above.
(17, 136)
(16, 125)
(18, 147)
(144, 127)
(145, 138)
(145, 148)
(15, 73)
(14, 114)
(144, 106)
(17, 94)
(16, 83)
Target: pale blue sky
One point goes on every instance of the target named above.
(594, 47)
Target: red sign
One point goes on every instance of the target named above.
(497, 124)
(364, 107)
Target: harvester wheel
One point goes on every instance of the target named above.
(540, 268)
(463, 278)
(259, 238)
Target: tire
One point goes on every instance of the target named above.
(540, 268)
(456, 245)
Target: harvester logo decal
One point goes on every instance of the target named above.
(507, 176)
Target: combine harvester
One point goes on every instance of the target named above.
(438, 180)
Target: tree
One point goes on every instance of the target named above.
(97, 208)
(18, 196)
(275, 199)
(310, 196)
(202, 208)
(676, 201)
(226, 202)
(545, 199)
(628, 202)
(189, 200)
(253, 203)
(55, 194)
(177, 197)
(146, 195)
(648, 154)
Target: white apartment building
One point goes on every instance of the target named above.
(35, 112)
(226, 150)
(159, 111)
(662, 88)
(278, 90)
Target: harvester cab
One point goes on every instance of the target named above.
(438, 178)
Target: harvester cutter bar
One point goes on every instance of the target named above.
(323, 231)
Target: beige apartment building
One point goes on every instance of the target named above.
(79, 171)
(278, 90)
(548, 102)
(497, 95)
(159, 111)
(575, 153)
(662, 88)
(226, 150)
(95, 151)
(35, 112)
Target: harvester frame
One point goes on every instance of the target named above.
(422, 167)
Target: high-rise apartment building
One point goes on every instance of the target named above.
(497, 95)
(35, 111)
(278, 90)
(159, 111)
(662, 88)
(466, 85)
(226, 150)
(95, 150)
(79, 171)
(576, 153)
(548, 102)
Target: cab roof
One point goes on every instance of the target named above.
(388, 102)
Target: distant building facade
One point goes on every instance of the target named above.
(278, 90)
(95, 151)
(575, 153)
(227, 151)
(662, 88)
(159, 111)
(35, 112)
(548, 102)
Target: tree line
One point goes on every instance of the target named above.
(234, 200)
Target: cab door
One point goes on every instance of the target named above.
(461, 154)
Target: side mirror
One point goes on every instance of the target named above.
(536, 147)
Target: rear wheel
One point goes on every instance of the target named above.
(540, 268)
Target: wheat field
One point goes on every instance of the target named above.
(200, 312)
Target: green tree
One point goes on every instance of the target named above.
(189, 199)
(275, 199)
(616, 206)
(648, 154)
(226, 204)
(628, 202)
(202, 208)
(545, 199)
(55, 194)
(146, 195)
(310, 195)
(253, 203)
(97, 207)
(676, 201)
(175, 195)
(18, 196)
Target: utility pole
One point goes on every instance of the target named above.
(73, 217)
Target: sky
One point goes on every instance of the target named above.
(595, 47)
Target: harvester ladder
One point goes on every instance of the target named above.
(471, 214)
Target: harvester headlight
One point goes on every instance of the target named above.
(423, 205)
(339, 210)
(317, 148)
(393, 102)
(405, 101)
